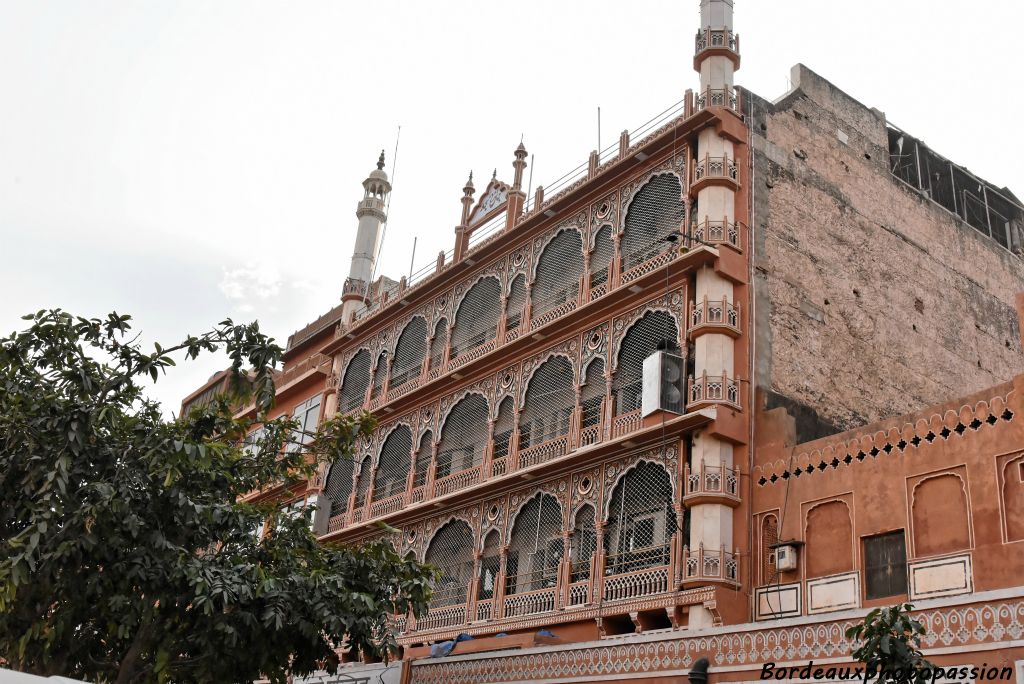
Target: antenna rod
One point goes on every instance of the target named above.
(529, 184)
(412, 259)
(599, 130)
(387, 212)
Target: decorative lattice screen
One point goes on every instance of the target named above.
(769, 536)
(354, 382)
(584, 543)
(592, 392)
(419, 477)
(393, 464)
(363, 481)
(490, 565)
(640, 520)
(438, 343)
(409, 352)
(656, 211)
(503, 428)
(451, 550)
(379, 374)
(476, 321)
(339, 484)
(549, 403)
(463, 436)
(535, 546)
(640, 341)
(601, 257)
(516, 302)
(559, 270)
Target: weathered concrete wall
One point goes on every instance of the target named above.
(871, 301)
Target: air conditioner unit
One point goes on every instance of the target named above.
(785, 557)
(664, 383)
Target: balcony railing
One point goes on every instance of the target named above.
(710, 168)
(710, 565)
(712, 482)
(712, 389)
(714, 315)
(709, 38)
(717, 97)
(716, 233)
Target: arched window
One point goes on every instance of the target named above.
(451, 550)
(463, 437)
(438, 343)
(379, 375)
(476, 322)
(354, 382)
(363, 481)
(503, 428)
(559, 270)
(490, 565)
(769, 537)
(409, 352)
(423, 455)
(516, 303)
(584, 542)
(549, 403)
(393, 464)
(640, 520)
(592, 393)
(535, 546)
(640, 341)
(656, 212)
(601, 257)
(338, 486)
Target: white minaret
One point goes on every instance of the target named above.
(715, 59)
(364, 254)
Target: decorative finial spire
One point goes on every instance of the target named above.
(468, 189)
(519, 164)
(380, 161)
(495, 174)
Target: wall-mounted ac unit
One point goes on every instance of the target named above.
(785, 557)
(664, 383)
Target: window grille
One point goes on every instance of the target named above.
(490, 565)
(339, 484)
(516, 303)
(656, 211)
(559, 270)
(769, 536)
(438, 343)
(379, 374)
(307, 414)
(355, 382)
(601, 257)
(409, 352)
(476, 322)
(640, 341)
(393, 464)
(592, 393)
(535, 546)
(363, 483)
(584, 543)
(549, 403)
(463, 437)
(451, 550)
(640, 520)
(503, 428)
(885, 560)
(419, 478)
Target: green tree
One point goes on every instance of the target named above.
(125, 552)
(890, 641)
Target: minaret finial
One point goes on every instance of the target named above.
(380, 161)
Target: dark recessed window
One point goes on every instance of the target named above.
(885, 561)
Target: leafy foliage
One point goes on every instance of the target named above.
(890, 640)
(126, 550)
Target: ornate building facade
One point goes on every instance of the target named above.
(751, 521)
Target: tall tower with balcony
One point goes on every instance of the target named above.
(372, 216)
(715, 182)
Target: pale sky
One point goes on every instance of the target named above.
(189, 161)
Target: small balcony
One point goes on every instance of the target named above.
(720, 42)
(717, 97)
(710, 565)
(718, 233)
(708, 390)
(712, 485)
(714, 316)
(709, 171)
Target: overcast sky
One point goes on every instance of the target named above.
(188, 161)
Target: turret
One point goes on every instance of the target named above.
(372, 216)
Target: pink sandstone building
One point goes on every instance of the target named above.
(750, 372)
